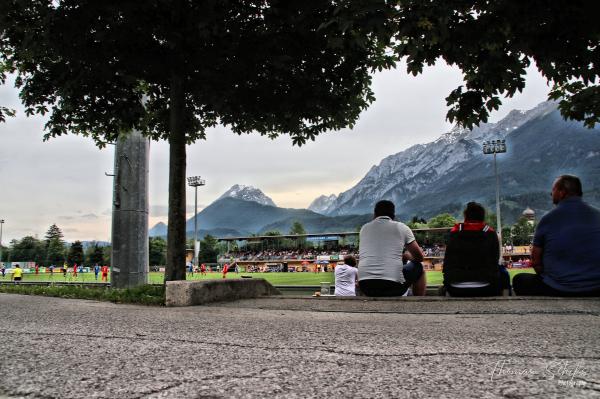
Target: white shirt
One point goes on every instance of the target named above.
(382, 243)
(345, 280)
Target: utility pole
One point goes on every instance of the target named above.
(129, 262)
(196, 181)
(496, 147)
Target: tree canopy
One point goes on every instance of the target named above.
(75, 255)
(55, 246)
(208, 250)
(442, 220)
(174, 68)
(493, 42)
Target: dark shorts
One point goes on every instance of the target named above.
(17, 279)
(412, 272)
(528, 284)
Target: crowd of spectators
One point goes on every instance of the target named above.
(434, 250)
(309, 254)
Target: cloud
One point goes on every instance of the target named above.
(88, 216)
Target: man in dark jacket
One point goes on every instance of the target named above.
(471, 262)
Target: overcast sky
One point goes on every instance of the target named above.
(62, 181)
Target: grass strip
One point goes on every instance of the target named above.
(143, 295)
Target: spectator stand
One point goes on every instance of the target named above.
(314, 252)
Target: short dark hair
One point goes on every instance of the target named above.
(385, 208)
(474, 211)
(350, 260)
(569, 184)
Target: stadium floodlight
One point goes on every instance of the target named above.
(496, 147)
(196, 181)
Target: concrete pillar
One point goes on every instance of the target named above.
(130, 211)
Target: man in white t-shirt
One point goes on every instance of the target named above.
(346, 276)
(383, 242)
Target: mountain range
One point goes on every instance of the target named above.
(443, 175)
(432, 178)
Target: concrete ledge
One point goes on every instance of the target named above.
(189, 293)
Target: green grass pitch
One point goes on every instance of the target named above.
(280, 279)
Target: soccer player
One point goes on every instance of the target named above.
(105, 273)
(203, 269)
(96, 271)
(75, 270)
(225, 270)
(17, 274)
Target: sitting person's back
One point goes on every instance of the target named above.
(566, 247)
(471, 259)
(346, 276)
(381, 270)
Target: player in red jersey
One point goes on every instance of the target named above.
(104, 271)
(225, 270)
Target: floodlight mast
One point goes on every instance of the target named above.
(496, 147)
(195, 181)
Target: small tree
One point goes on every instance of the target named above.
(522, 232)
(442, 220)
(298, 229)
(276, 242)
(106, 255)
(94, 254)
(208, 250)
(5, 254)
(28, 249)
(158, 251)
(75, 255)
(55, 246)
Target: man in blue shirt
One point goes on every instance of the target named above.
(566, 247)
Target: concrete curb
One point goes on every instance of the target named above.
(190, 293)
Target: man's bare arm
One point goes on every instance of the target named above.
(415, 251)
(536, 259)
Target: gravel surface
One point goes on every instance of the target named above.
(300, 348)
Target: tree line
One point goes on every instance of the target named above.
(53, 250)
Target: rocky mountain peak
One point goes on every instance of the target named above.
(322, 203)
(248, 193)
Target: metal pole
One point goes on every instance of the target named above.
(498, 219)
(195, 181)
(196, 227)
(1, 223)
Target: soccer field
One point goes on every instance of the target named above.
(280, 279)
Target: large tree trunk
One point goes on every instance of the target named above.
(177, 163)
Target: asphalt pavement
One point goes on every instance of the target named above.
(300, 348)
